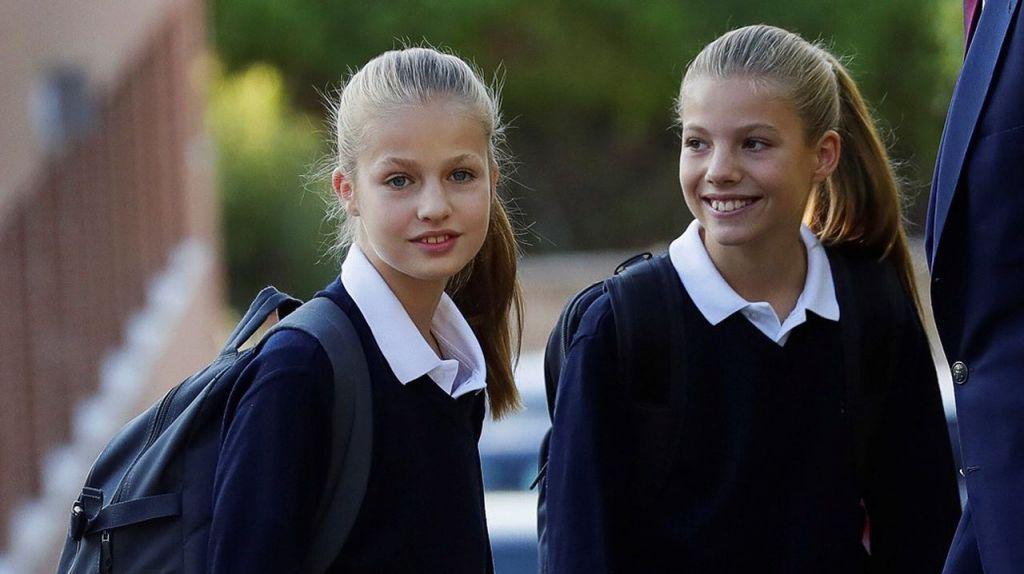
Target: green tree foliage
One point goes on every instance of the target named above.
(589, 86)
(272, 228)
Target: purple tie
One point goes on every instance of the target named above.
(971, 13)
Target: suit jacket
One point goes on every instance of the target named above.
(975, 245)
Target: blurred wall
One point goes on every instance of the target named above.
(99, 36)
(109, 241)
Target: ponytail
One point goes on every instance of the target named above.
(488, 294)
(861, 203)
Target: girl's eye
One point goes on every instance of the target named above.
(755, 145)
(694, 144)
(397, 182)
(461, 176)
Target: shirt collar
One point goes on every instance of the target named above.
(819, 294)
(716, 300)
(403, 347)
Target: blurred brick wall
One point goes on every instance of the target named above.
(79, 245)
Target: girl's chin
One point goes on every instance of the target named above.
(429, 267)
(726, 236)
(435, 271)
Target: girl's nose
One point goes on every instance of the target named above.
(722, 169)
(434, 203)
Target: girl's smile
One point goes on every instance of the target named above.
(723, 206)
(437, 242)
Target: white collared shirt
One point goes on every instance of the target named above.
(716, 300)
(406, 352)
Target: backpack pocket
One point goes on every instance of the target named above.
(140, 535)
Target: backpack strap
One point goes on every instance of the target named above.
(266, 302)
(646, 302)
(352, 422)
(851, 331)
(865, 288)
(561, 337)
(554, 358)
(642, 291)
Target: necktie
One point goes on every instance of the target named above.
(972, 10)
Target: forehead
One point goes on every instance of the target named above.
(434, 131)
(725, 103)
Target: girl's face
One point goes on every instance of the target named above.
(422, 192)
(746, 167)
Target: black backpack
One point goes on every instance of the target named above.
(645, 295)
(146, 505)
(641, 291)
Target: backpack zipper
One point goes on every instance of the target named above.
(154, 431)
(161, 412)
(106, 567)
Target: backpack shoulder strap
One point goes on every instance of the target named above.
(646, 299)
(266, 302)
(560, 338)
(851, 331)
(870, 295)
(641, 291)
(352, 422)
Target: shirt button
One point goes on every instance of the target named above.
(959, 372)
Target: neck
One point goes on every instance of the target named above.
(418, 297)
(773, 270)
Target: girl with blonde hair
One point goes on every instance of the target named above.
(797, 425)
(429, 283)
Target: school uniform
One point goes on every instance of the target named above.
(424, 508)
(757, 471)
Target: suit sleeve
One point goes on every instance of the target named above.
(584, 472)
(911, 496)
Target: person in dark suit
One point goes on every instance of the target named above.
(975, 246)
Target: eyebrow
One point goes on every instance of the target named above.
(391, 160)
(466, 157)
(407, 163)
(743, 128)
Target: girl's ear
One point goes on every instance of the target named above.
(343, 189)
(828, 149)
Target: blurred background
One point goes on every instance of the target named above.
(156, 161)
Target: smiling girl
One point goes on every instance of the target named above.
(429, 282)
(801, 427)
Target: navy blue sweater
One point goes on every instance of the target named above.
(423, 510)
(755, 472)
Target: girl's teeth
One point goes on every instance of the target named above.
(731, 205)
(435, 239)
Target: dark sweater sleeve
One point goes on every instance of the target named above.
(273, 458)
(911, 496)
(583, 475)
